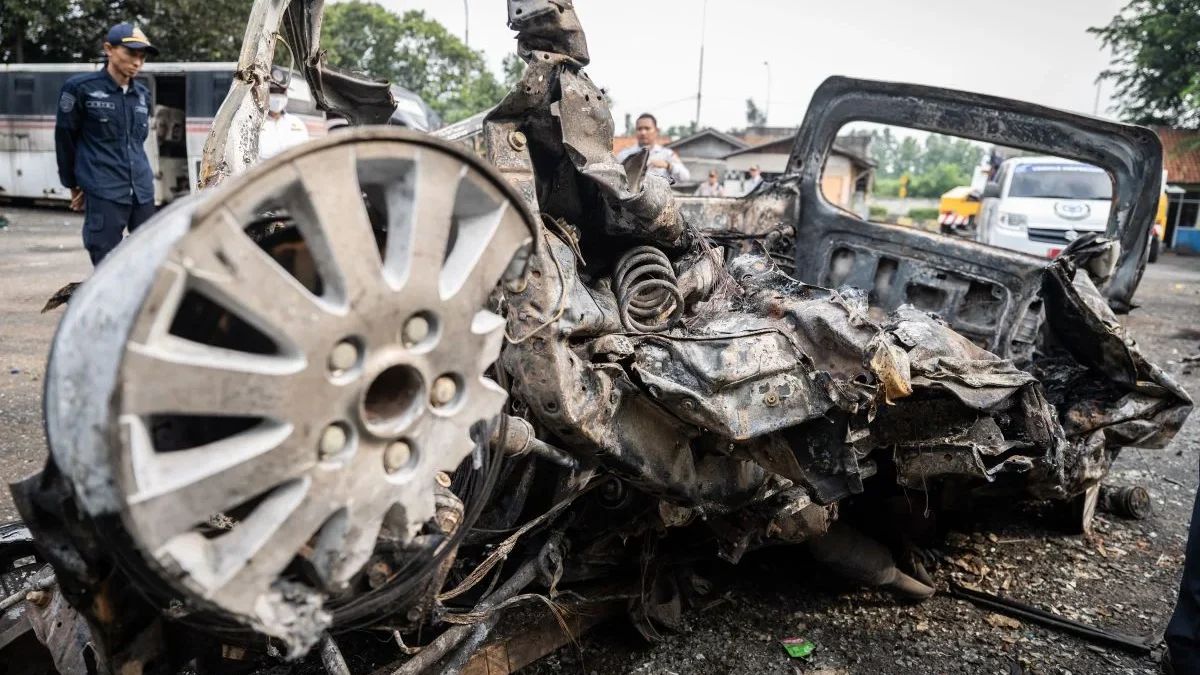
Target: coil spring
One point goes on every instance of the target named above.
(647, 291)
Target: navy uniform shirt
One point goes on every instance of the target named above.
(99, 137)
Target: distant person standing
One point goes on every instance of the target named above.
(281, 130)
(663, 162)
(103, 120)
(712, 188)
(754, 181)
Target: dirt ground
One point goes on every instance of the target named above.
(1122, 579)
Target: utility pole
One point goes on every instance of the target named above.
(467, 22)
(1096, 107)
(767, 110)
(700, 84)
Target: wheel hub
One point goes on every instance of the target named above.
(364, 381)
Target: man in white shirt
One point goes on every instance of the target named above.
(713, 187)
(754, 181)
(281, 130)
(663, 162)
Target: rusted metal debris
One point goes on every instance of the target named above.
(398, 383)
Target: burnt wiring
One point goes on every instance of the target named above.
(505, 547)
(432, 654)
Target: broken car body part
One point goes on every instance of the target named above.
(365, 383)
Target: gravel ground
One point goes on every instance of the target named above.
(40, 252)
(1124, 578)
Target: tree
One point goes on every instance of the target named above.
(59, 31)
(1155, 61)
(754, 116)
(895, 156)
(414, 52)
(935, 181)
(514, 69)
(196, 30)
(362, 36)
(678, 131)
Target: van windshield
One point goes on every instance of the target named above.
(1060, 181)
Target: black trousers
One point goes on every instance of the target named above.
(105, 222)
(1183, 632)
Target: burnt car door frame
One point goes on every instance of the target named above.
(1132, 156)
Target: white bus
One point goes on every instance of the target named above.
(186, 98)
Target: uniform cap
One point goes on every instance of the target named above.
(130, 36)
(280, 79)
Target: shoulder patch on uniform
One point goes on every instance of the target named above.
(66, 102)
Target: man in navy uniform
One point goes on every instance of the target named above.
(103, 120)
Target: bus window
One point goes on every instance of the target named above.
(220, 89)
(199, 92)
(206, 91)
(50, 84)
(24, 95)
(4, 109)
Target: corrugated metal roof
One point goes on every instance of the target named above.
(1181, 155)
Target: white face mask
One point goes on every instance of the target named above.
(277, 102)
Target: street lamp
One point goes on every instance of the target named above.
(466, 23)
(700, 83)
(767, 109)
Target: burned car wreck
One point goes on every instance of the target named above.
(396, 384)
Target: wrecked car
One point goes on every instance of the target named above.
(399, 384)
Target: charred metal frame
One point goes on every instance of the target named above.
(677, 370)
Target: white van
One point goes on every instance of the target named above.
(1038, 205)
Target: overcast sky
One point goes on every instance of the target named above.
(646, 52)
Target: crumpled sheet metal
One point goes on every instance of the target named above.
(739, 386)
(1137, 404)
(646, 211)
(943, 359)
(564, 373)
(65, 634)
(360, 99)
(548, 26)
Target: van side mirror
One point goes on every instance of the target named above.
(991, 191)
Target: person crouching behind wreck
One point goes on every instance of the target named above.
(663, 162)
(99, 135)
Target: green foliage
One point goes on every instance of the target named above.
(878, 213)
(514, 69)
(678, 131)
(887, 187)
(63, 31)
(1156, 61)
(896, 156)
(937, 181)
(415, 52)
(754, 116)
(923, 213)
(933, 166)
(362, 36)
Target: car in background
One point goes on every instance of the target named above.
(1039, 205)
(412, 112)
